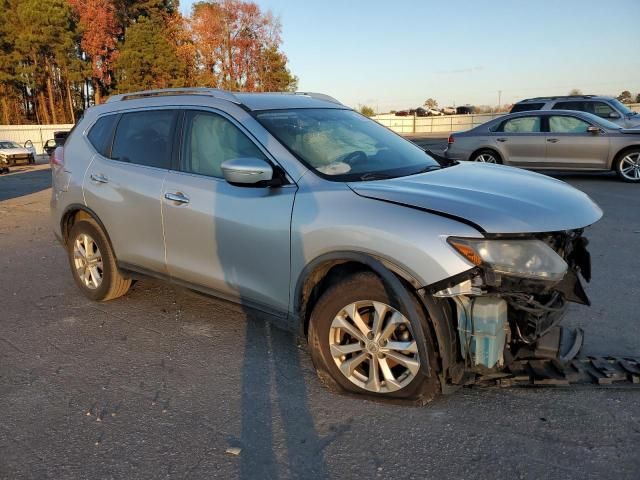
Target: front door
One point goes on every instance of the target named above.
(570, 145)
(232, 240)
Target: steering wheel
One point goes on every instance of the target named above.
(355, 157)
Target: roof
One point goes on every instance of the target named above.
(277, 101)
(561, 97)
(251, 101)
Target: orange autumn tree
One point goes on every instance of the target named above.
(237, 47)
(100, 31)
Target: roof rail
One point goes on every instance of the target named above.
(556, 97)
(212, 92)
(320, 96)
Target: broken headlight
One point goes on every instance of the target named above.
(526, 258)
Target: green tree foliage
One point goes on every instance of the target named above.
(367, 111)
(575, 91)
(57, 57)
(147, 59)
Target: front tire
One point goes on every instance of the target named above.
(486, 156)
(361, 342)
(93, 264)
(628, 166)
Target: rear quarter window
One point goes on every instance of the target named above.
(100, 134)
(526, 107)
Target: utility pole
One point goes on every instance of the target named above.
(499, 99)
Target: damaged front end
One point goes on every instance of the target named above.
(510, 305)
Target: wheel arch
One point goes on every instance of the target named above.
(318, 273)
(490, 148)
(76, 212)
(622, 152)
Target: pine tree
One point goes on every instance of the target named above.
(147, 59)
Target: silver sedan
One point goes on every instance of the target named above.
(554, 140)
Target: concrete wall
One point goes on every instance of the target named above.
(444, 124)
(38, 134)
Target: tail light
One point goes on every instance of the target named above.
(57, 158)
(450, 139)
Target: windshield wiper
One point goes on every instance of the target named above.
(376, 176)
(429, 168)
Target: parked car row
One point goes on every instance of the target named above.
(428, 112)
(12, 153)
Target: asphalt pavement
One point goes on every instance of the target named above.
(161, 384)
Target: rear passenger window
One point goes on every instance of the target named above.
(145, 138)
(525, 107)
(580, 106)
(521, 125)
(100, 134)
(210, 140)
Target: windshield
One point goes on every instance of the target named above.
(622, 107)
(343, 145)
(9, 145)
(601, 121)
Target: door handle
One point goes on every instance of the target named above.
(552, 140)
(99, 178)
(177, 197)
(501, 139)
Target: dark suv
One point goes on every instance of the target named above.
(604, 107)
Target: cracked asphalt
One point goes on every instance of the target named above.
(160, 383)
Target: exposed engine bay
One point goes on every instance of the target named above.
(503, 316)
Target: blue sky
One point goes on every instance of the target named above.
(395, 54)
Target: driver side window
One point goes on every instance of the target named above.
(209, 140)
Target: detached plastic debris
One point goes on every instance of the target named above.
(233, 451)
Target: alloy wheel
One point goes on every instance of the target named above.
(373, 346)
(486, 158)
(630, 166)
(87, 260)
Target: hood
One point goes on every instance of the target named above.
(495, 198)
(14, 151)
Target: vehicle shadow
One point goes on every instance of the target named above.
(274, 405)
(24, 182)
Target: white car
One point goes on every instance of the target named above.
(12, 153)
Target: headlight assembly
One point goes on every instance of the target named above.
(520, 258)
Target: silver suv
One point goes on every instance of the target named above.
(609, 108)
(403, 274)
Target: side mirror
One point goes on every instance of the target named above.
(614, 115)
(246, 171)
(593, 130)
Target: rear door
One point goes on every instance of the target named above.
(123, 184)
(520, 141)
(570, 145)
(232, 240)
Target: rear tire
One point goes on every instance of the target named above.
(93, 264)
(627, 166)
(486, 156)
(387, 365)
